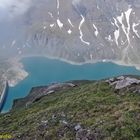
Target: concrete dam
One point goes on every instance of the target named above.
(3, 95)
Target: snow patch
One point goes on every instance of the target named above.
(13, 43)
(134, 30)
(70, 22)
(120, 18)
(91, 56)
(81, 33)
(109, 38)
(44, 27)
(58, 5)
(50, 14)
(127, 14)
(51, 25)
(117, 32)
(69, 31)
(96, 30)
(59, 23)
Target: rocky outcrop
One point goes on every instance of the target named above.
(127, 83)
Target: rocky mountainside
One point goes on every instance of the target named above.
(74, 30)
(77, 110)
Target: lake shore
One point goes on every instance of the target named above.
(21, 74)
(44, 71)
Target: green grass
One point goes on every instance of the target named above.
(94, 106)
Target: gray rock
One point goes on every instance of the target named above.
(77, 127)
(122, 82)
(126, 82)
(64, 122)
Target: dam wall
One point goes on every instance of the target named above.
(4, 95)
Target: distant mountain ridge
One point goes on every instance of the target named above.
(76, 30)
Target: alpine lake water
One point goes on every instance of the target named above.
(44, 71)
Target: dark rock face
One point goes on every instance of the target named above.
(39, 92)
(104, 29)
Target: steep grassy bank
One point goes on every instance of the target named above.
(93, 110)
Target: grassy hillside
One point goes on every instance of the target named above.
(90, 111)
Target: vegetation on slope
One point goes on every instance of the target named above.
(89, 111)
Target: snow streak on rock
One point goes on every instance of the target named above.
(127, 14)
(70, 22)
(117, 32)
(96, 30)
(58, 5)
(59, 23)
(69, 31)
(81, 33)
(134, 30)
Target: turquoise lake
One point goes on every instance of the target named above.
(43, 71)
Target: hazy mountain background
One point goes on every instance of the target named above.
(74, 30)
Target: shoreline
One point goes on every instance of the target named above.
(21, 63)
(118, 62)
(18, 66)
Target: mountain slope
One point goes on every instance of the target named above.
(74, 30)
(77, 31)
(107, 109)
